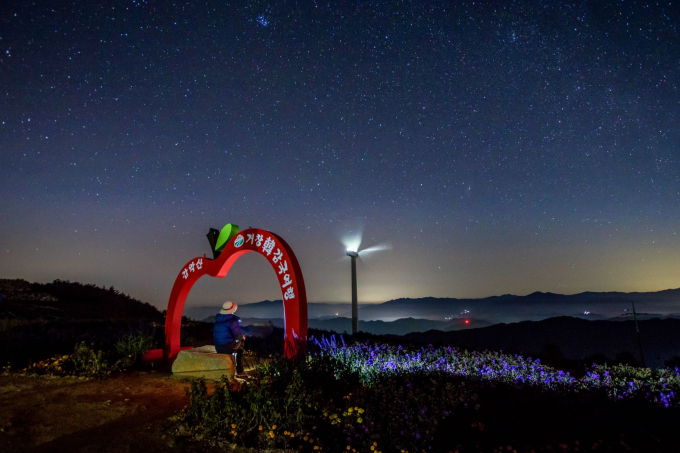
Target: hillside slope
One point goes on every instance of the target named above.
(573, 338)
(66, 300)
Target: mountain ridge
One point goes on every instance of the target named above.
(505, 308)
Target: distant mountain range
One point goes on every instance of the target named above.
(507, 308)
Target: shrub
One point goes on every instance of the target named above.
(89, 361)
(132, 347)
(84, 361)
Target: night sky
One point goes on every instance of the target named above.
(494, 147)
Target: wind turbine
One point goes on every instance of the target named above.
(355, 305)
(352, 250)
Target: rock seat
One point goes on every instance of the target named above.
(204, 362)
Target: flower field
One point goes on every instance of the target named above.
(375, 361)
(377, 398)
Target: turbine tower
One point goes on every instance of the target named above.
(355, 305)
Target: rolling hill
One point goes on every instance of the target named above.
(70, 301)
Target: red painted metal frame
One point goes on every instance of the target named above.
(282, 259)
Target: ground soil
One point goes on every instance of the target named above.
(124, 413)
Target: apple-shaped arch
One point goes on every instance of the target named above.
(286, 267)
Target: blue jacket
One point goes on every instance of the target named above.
(227, 328)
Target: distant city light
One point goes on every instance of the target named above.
(586, 312)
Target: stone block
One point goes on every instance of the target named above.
(204, 362)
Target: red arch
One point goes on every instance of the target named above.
(282, 259)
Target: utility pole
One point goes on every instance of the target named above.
(637, 330)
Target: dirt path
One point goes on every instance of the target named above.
(126, 413)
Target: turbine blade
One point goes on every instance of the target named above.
(376, 248)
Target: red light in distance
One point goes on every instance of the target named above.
(467, 322)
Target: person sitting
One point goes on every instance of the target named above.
(227, 334)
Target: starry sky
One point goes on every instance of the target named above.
(489, 147)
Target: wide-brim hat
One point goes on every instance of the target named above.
(228, 308)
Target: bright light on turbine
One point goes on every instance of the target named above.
(352, 243)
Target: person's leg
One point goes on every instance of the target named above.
(227, 348)
(235, 349)
(238, 355)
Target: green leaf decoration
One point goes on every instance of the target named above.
(228, 232)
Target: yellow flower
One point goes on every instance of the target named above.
(274, 427)
(375, 444)
(260, 428)
(359, 420)
(350, 410)
(372, 448)
(311, 441)
(361, 411)
(305, 438)
(285, 433)
(271, 434)
(233, 425)
(348, 447)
